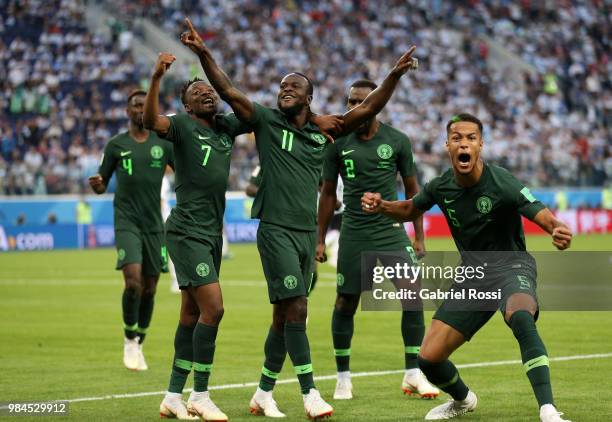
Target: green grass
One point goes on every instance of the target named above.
(61, 338)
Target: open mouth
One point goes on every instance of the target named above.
(208, 101)
(287, 97)
(464, 159)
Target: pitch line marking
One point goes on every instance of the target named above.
(333, 377)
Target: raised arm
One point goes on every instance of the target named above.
(560, 232)
(411, 188)
(151, 118)
(401, 211)
(238, 101)
(376, 100)
(327, 205)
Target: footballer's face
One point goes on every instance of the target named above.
(356, 97)
(201, 100)
(135, 109)
(293, 94)
(464, 143)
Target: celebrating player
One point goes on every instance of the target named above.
(368, 160)
(138, 158)
(291, 151)
(483, 205)
(203, 143)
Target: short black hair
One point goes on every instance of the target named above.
(134, 93)
(464, 117)
(186, 86)
(310, 85)
(364, 83)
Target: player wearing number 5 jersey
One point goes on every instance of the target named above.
(138, 158)
(291, 151)
(202, 141)
(483, 205)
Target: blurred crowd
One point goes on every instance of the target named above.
(64, 91)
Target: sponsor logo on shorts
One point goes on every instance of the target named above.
(384, 151)
(202, 269)
(340, 279)
(121, 254)
(290, 282)
(157, 152)
(484, 204)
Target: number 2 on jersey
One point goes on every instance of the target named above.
(206, 148)
(350, 168)
(287, 140)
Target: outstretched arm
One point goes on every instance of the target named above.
(376, 100)
(151, 118)
(561, 234)
(238, 101)
(372, 203)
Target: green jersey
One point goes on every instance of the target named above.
(291, 160)
(202, 157)
(486, 216)
(369, 166)
(140, 168)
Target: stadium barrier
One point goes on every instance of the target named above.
(25, 221)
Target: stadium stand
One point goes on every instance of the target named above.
(65, 90)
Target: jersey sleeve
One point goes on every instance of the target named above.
(521, 197)
(174, 131)
(108, 162)
(232, 125)
(330, 166)
(424, 199)
(258, 116)
(406, 164)
(170, 154)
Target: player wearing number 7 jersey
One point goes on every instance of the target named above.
(291, 151)
(483, 205)
(202, 141)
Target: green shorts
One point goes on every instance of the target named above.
(468, 322)
(197, 261)
(148, 249)
(354, 273)
(287, 258)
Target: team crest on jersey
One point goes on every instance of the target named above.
(318, 138)
(340, 279)
(121, 254)
(484, 204)
(225, 140)
(202, 269)
(384, 151)
(157, 152)
(290, 282)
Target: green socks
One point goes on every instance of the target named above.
(275, 351)
(299, 352)
(533, 354)
(444, 375)
(145, 312)
(183, 358)
(342, 333)
(413, 330)
(204, 337)
(130, 302)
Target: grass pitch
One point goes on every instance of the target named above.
(61, 338)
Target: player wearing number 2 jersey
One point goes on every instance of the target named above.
(483, 205)
(291, 151)
(202, 141)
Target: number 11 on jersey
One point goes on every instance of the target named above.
(287, 140)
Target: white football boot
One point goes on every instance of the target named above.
(549, 413)
(142, 363)
(131, 353)
(344, 387)
(262, 403)
(316, 408)
(201, 405)
(173, 407)
(453, 408)
(415, 384)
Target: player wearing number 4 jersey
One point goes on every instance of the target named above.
(138, 158)
(483, 205)
(291, 150)
(369, 160)
(202, 141)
